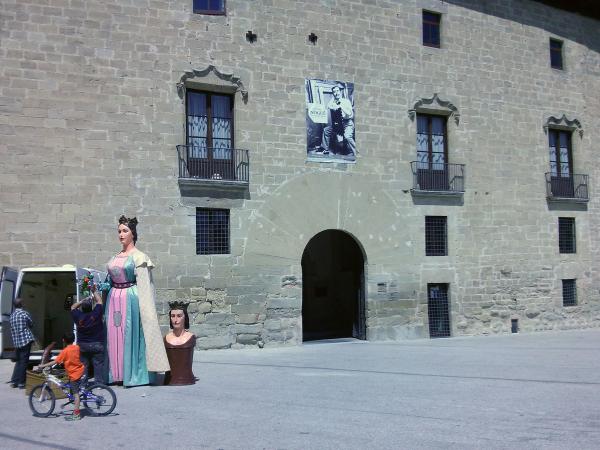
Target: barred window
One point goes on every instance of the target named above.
(438, 310)
(212, 231)
(436, 236)
(566, 235)
(569, 288)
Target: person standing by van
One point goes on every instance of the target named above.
(87, 315)
(22, 337)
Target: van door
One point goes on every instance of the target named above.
(8, 283)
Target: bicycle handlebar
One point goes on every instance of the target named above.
(46, 370)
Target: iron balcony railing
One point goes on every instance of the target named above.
(210, 163)
(438, 177)
(570, 186)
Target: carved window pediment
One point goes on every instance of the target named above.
(563, 123)
(434, 105)
(211, 79)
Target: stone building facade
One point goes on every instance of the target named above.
(94, 102)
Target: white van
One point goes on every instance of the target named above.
(45, 291)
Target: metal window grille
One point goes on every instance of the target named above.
(436, 236)
(438, 310)
(431, 28)
(212, 231)
(569, 288)
(566, 235)
(556, 54)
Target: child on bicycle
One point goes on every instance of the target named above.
(69, 357)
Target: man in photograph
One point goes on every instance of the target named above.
(340, 127)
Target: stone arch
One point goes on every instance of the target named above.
(312, 202)
(333, 300)
(289, 215)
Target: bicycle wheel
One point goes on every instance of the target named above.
(99, 399)
(42, 400)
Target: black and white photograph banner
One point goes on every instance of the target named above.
(330, 121)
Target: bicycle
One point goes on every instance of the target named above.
(97, 398)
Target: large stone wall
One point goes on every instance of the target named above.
(90, 116)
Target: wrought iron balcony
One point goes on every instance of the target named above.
(215, 164)
(438, 177)
(567, 187)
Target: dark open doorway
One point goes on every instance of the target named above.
(333, 304)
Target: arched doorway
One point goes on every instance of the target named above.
(333, 303)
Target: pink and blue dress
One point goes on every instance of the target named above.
(125, 333)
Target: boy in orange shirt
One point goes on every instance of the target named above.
(69, 357)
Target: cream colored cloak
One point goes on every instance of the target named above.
(156, 356)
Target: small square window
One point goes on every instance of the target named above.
(569, 288)
(216, 7)
(556, 54)
(566, 235)
(431, 29)
(212, 231)
(436, 236)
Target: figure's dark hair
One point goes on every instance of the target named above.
(131, 224)
(18, 302)
(68, 337)
(86, 305)
(186, 323)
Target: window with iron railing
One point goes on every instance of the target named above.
(561, 163)
(209, 124)
(209, 152)
(432, 152)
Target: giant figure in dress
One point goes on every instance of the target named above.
(135, 346)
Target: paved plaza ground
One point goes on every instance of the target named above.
(524, 391)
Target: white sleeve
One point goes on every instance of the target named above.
(347, 108)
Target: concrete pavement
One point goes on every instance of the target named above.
(525, 391)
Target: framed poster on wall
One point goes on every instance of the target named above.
(330, 134)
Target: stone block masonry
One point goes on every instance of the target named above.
(91, 113)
